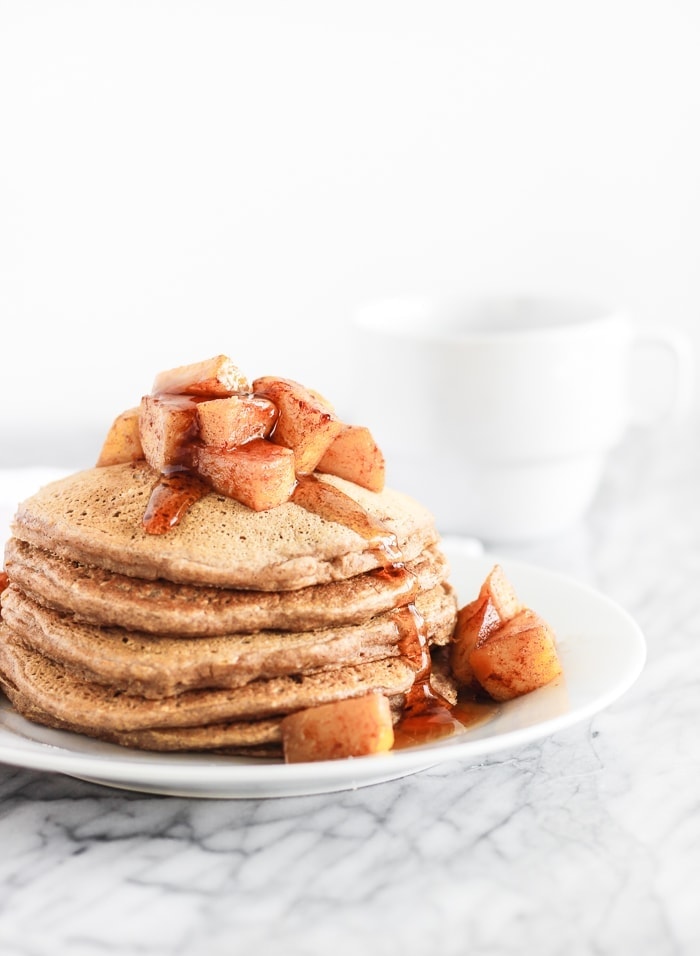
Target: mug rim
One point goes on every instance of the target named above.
(406, 316)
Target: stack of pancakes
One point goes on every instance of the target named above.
(204, 638)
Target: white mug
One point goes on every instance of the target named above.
(499, 413)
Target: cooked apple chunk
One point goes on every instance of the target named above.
(354, 455)
(258, 474)
(213, 377)
(501, 646)
(473, 623)
(235, 420)
(496, 603)
(500, 594)
(306, 424)
(123, 441)
(517, 657)
(167, 425)
(344, 728)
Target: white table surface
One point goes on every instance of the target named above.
(587, 842)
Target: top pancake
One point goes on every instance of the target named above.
(95, 516)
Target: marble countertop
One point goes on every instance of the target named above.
(585, 842)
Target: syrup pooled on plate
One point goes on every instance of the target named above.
(426, 715)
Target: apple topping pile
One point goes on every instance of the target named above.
(248, 441)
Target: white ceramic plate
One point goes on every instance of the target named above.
(602, 651)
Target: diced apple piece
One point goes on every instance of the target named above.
(235, 420)
(496, 603)
(213, 377)
(517, 657)
(123, 441)
(306, 424)
(167, 427)
(259, 474)
(473, 622)
(344, 728)
(354, 455)
(500, 593)
(501, 646)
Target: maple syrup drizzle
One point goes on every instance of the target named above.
(331, 503)
(4, 583)
(178, 486)
(426, 714)
(402, 582)
(171, 497)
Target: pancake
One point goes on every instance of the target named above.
(95, 517)
(100, 597)
(206, 636)
(158, 666)
(250, 738)
(31, 680)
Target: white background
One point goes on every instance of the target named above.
(180, 179)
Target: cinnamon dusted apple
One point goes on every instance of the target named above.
(306, 423)
(258, 474)
(167, 425)
(353, 454)
(230, 422)
(345, 728)
(496, 602)
(518, 657)
(123, 441)
(215, 377)
(501, 646)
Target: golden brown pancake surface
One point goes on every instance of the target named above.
(95, 517)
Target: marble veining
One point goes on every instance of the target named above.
(587, 842)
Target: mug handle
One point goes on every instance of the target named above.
(678, 350)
